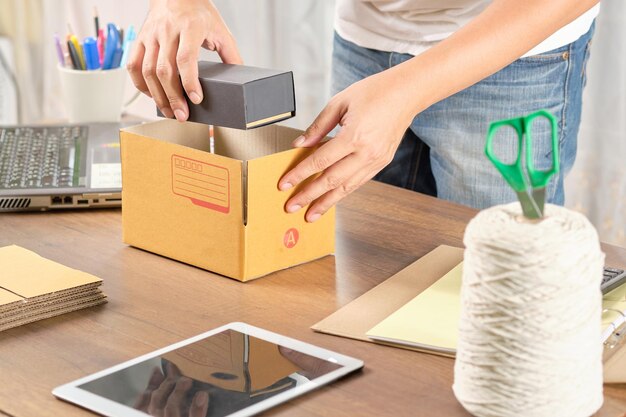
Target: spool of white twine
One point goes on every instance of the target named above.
(529, 335)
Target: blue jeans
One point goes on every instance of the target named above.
(442, 152)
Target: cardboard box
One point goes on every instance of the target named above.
(242, 97)
(222, 212)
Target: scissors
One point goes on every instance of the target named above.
(530, 186)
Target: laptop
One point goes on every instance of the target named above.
(60, 167)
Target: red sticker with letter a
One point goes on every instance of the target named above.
(291, 238)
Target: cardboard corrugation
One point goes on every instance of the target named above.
(167, 211)
(33, 288)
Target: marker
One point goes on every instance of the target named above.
(73, 55)
(96, 20)
(117, 58)
(112, 45)
(101, 42)
(91, 53)
(128, 42)
(79, 51)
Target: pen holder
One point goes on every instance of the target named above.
(93, 96)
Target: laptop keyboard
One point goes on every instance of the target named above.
(612, 278)
(37, 157)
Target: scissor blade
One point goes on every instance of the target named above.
(529, 207)
(539, 195)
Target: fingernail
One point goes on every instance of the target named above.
(195, 97)
(313, 217)
(167, 112)
(201, 399)
(181, 116)
(285, 186)
(299, 141)
(293, 208)
(184, 383)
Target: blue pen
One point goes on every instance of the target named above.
(112, 45)
(90, 48)
(128, 42)
(117, 58)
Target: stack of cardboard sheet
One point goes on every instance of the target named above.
(34, 288)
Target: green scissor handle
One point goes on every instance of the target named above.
(530, 186)
(513, 173)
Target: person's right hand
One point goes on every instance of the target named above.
(168, 396)
(168, 45)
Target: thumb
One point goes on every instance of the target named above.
(321, 126)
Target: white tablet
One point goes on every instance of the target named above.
(235, 370)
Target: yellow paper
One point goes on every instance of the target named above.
(612, 304)
(29, 275)
(430, 320)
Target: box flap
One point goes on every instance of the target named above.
(251, 144)
(191, 135)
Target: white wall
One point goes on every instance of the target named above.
(283, 34)
(597, 184)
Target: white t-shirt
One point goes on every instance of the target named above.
(412, 26)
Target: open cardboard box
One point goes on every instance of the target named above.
(219, 211)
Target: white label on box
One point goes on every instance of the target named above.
(206, 185)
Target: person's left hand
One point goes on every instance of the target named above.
(373, 114)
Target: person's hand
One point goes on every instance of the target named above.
(168, 46)
(373, 114)
(167, 396)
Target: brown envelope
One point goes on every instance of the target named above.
(356, 318)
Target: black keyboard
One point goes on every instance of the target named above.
(40, 156)
(613, 278)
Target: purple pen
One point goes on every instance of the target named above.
(60, 55)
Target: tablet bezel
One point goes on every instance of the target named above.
(71, 391)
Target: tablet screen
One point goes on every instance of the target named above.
(215, 376)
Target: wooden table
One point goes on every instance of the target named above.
(154, 301)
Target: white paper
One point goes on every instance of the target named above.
(106, 175)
